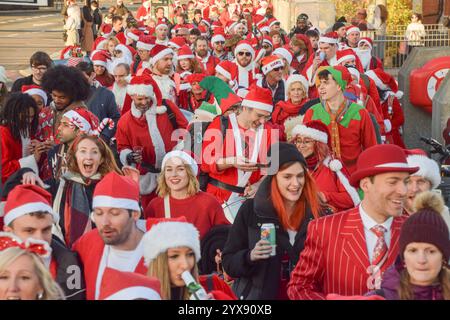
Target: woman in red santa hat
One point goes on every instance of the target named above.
(90, 159)
(172, 248)
(38, 95)
(21, 261)
(179, 194)
(312, 139)
(296, 88)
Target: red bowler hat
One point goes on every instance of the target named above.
(379, 159)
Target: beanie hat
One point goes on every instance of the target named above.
(158, 52)
(426, 225)
(25, 199)
(145, 42)
(108, 194)
(271, 62)
(385, 81)
(330, 37)
(284, 53)
(166, 235)
(37, 90)
(87, 122)
(296, 78)
(428, 168)
(225, 97)
(183, 156)
(258, 98)
(120, 285)
(284, 152)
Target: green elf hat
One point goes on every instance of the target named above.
(225, 97)
(340, 74)
(208, 110)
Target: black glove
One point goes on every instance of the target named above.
(130, 158)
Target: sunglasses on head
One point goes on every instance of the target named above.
(247, 54)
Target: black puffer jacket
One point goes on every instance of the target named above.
(259, 280)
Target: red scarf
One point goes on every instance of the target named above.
(312, 162)
(287, 109)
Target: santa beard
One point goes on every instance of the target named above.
(365, 56)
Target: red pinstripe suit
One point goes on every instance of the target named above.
(335, 258)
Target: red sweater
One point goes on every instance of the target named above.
(202, 210)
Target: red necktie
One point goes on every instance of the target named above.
(380, 251)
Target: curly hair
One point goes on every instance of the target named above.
(68, 80)
(16, 114)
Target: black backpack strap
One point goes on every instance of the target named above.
(170, 114)
(223, 125)
(209, 283)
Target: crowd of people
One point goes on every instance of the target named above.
(164, 144)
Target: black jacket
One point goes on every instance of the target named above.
(278, 95)
(259, 280)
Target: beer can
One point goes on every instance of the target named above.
(268, 233)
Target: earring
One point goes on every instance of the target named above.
(40, 295)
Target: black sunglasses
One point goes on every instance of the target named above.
(221, 42)
(277, 69)
(247, 54)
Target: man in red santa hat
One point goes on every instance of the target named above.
(233, 172)
(364, 52)
(245, 61)
(28, 214)
(116, 242)
(208, 61)
(148, 126)
(390, 105)
(218, 42)
(144, 45)
(162, 33)
(161, 63)
(353, 34)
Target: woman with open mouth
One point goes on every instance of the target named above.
(89, 160)
(23, 274)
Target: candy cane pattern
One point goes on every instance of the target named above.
(102, 125)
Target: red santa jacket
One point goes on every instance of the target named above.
(393, 112)
(125, 106)
(335, 258)
(143, 12)
(284, 110)
(209, 64)
(90, 249)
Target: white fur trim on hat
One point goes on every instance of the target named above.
(223, 72)
(186, 56)
(295, 78)
(132, 36)
(140, 90)
(161, 54)
(365, 41)
(217, 37)
(428, 169)
(328, 40)
(19, 211)
(134, 293)
(168, 235)
(161, 25)
(244, 46)
(111, 202)
(353, 29)
(310, 133)
(378, 82)
(99, 63)
(39, 92)
(144, 46)
(257, 105)
(78, 120)
(284, 53)
(278, 63)
(184, 156)
(346, 57)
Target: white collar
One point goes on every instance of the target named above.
(369, 222)
(138, 114)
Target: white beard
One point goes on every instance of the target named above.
(364, 56)
(119, 95)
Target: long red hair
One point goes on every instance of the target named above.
(308, 197)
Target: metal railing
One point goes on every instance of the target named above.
(393, 47)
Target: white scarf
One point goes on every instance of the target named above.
(167, 87)
(243, 74)
(119, 94)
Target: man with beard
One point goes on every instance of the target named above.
(116, 242)
(267, 45)
(162, 33)
(218, 42)
(353, 35)
(161, 62)
(272, 68)
(364, 52)
(203, 56)
(302, 25)
(119, 88)
(302, 50)
(245, 56)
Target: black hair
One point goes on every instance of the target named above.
(86, 67)
(342, 19)
(40, 58)
(312, 33)
(195, 32)
(68, 80)
(15, 115)
(323, 75)
(196, 11)
(338, 25)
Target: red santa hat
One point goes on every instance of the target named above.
(285, 53)
(142, 85)
(384, 81)
(100, 58)
(187, 159)
(25, 199)
(170, 234)
(296, 78)
(35, 90)
(264, 27)
(330, 37)
(229, 70)
(185, 53)
(161, 24)
(177, 42)
(100, 43)
(216, 24)
(272, 21)
(313, 129)
(133, 34)
(119, 285)
(244, 45)
(203, 30)
(381, 158)
(345, 55)
(366, 40)
(351, 29)
(145, 42)
(259, 19)
(268, 40)
(271, 62)
(206, 22)
(107, 193)
(121, 37)
(195, 77)
(218, 36)
(428, 168)
(158, 52)
(258, 98)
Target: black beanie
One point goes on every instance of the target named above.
(282, 153)
(338, 25)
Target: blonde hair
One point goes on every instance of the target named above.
(159, 268)
(290, 87)
(193, 185)
(52, 290)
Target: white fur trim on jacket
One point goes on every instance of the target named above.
(310, 132)
(148, 183)
(29, 162)
(123, 156)
(155, 135)
(428, 169)
(336, 166)
(223, 72)
(167, 235)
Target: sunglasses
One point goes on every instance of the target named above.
(277, 69)
(220, 42)
(247, 54)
